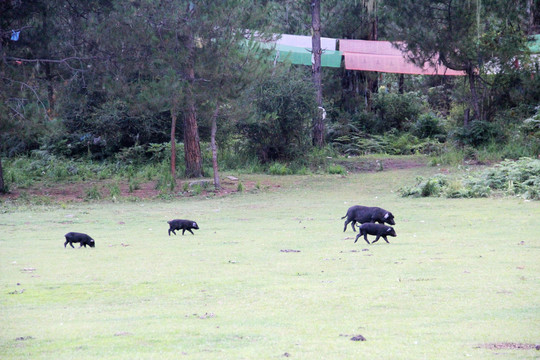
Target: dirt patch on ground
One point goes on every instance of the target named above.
(101, 190)
(370, 165)
(509, 345)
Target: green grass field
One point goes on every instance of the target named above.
(461, 279)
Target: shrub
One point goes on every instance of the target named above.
(133, 184)
(93, 193)
(278, 169)
(279, 129)
(429, 126)
(240, 187)
(114, 190)
(425, 187)
(396, 111)
(336, 169)
(476, 134)
(521, 177)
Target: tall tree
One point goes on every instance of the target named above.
(171, 51)
(49, 53)
(478, 37)
(318, 122)
(192, 147)
(234, 62)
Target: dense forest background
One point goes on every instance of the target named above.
(116, 81)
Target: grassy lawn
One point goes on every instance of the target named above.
(461, 279)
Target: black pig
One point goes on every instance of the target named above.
(179, 224)
(75, 237)
(375, 229)
(366, 214)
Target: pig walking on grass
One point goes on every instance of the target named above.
(83, 239)
(378, 230)
(179, 224)
(366, 214)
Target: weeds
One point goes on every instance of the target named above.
(133, 184)
(93, 193)
(336, 169)
(114, 190)
(510, 178)
(278, 169)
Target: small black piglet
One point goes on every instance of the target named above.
(179, 224)
(378, 230)
(75, 237)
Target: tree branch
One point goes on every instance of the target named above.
(31, 89)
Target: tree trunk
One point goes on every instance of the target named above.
(213, 144)
(3, 189)
(372, 82)
(401, 83)
(192, 147)
(530, 16)
(318, 122)
(50, 89)
(47, 66)
(173, 145)
(474, 95)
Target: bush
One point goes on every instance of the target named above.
(425, 187)
(392, 143)
(429, 126)
(476, 134)
(396, 111)
(521, 177)
(280, 127)
(337, 169)
(278, 169)
(93, 193)
(114, 190)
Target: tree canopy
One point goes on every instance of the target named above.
(94, 78)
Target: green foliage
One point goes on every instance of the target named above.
(396, 111)
(337, 169)
(93, 193)
(46, 167)
(240, 187)
(114, 101)
(196, 189)
(284, 108)
(429, 126)
(114, 190)
(425, 187)
(476, 134)
(521, 178)
(133, 184)
(278, 169)
(392, 143)
(472, 36)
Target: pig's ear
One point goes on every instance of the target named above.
(194, 224)
(389, 229)
(386, 216)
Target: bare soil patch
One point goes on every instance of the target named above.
(370, 165)
(509, 345)
(78, 192)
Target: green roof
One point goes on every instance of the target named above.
(534, 44)
(302, 56)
